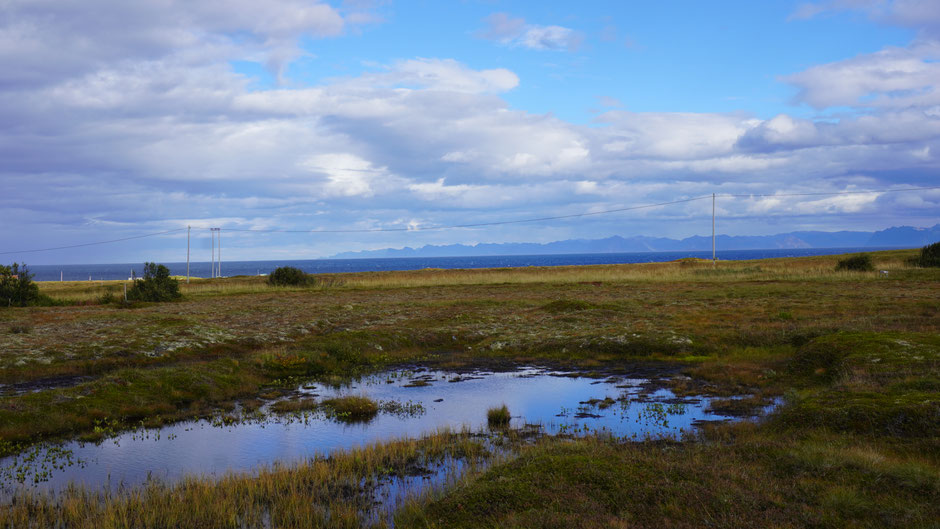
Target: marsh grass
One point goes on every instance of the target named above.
(294, 406)
(352, 408)
(853, 355)
(804, 268)
(735, 330)
(498, 417)
(335, 491)
(734, 476)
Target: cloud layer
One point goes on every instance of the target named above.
(121, 118)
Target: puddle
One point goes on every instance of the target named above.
(41, 384)
(414, 403)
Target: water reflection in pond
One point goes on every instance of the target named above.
(416, 403)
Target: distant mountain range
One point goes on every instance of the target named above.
(902, 237)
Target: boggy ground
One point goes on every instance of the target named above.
(855, 357)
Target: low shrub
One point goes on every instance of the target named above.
(107, 298)
(285, 276)
(20, 328)
(17, 288)
(857, 263)
(156, 285)
(929, 256)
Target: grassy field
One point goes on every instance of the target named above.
(855, 356)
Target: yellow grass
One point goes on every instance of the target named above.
(782, 269)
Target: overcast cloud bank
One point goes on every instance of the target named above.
(121, 118)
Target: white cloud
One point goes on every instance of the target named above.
(550, 38)
(448, 75)
(43, 40)
(516, 32)
(673, 135)
(890, 78)
(150, 127)
(923, 15)
(347, 174)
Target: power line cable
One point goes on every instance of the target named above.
(95, 243)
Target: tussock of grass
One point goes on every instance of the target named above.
(498, 417)
(353, 408)
(294, 406)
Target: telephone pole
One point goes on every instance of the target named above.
(188, 229)
(212, 262)
(216, 272)
(714, 260)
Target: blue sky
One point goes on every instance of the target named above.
(121, 119)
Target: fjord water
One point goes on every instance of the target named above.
(550, 399)
(104, 272)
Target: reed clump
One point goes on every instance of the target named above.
(498, 417)
(352, 408)
(294, 406)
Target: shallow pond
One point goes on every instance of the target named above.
(417, 402)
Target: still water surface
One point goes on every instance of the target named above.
(554, 400)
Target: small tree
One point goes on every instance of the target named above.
(16, 286)
(156, 285)
(859, 263)
(929, 256)
(285, 276)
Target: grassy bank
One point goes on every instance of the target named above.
(338, 492)
(854, 355)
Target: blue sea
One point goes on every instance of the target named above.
(99, 272)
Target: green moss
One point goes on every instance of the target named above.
(794, 482)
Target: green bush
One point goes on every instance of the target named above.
(285, 276)
(156, 285)
(857, 263)
(16, 286)
(929, 256)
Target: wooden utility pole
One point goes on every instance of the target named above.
(188, 229)
(212, 262)
(714, 260)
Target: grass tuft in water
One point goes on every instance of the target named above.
(498, 417)
(293, 406)
(352, 408)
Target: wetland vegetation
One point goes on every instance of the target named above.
(852, 358)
